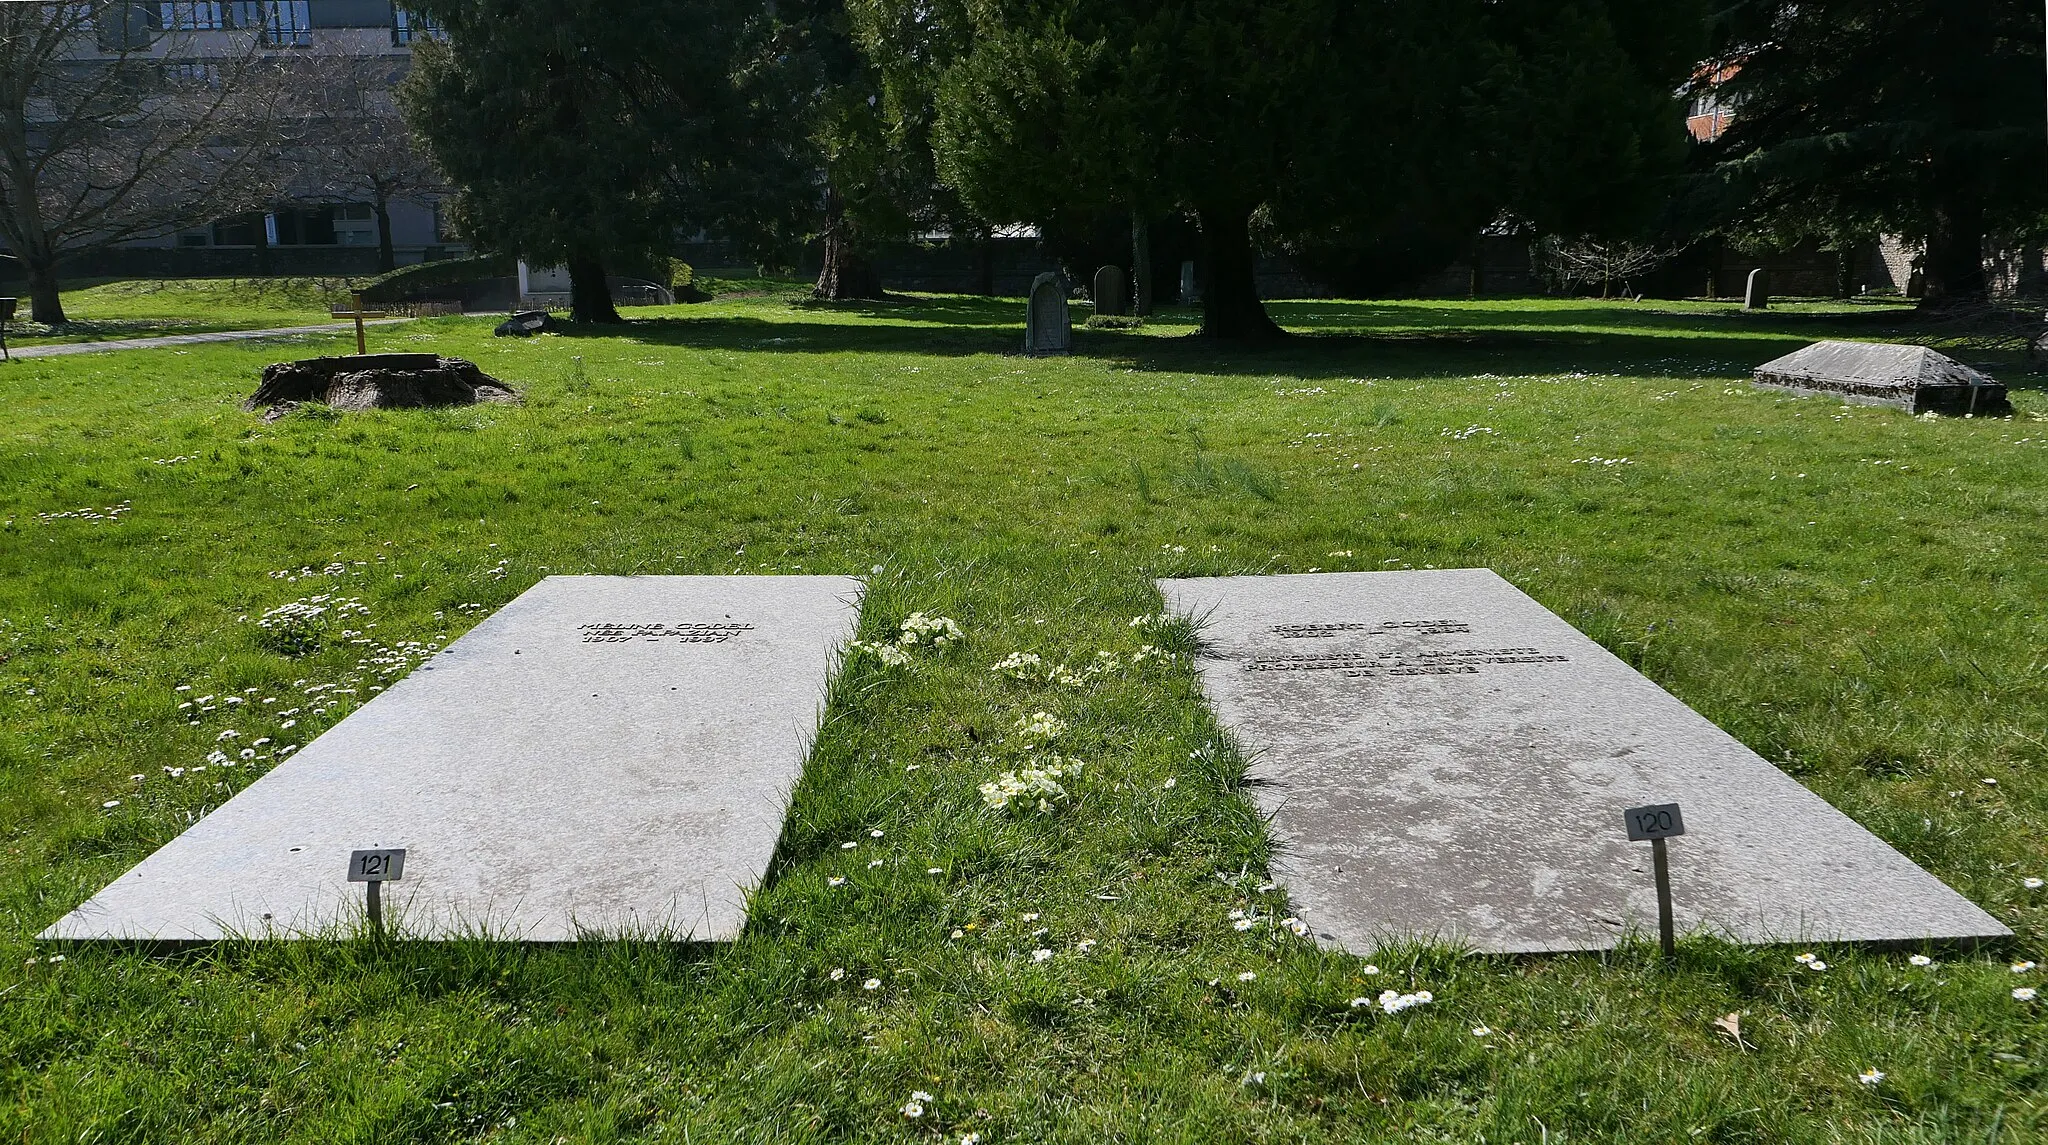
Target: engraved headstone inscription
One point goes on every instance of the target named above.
(1443, 757)
(1048, 326)
(606, 755)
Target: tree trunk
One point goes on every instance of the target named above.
(846, 274)
(387, 260)
(1231, 309)
(590, 298)
(1953, 269)
(45, 299)
(985, 265)
(1141, 265)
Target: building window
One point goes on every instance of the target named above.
(284, 23)
(192, 72)
(203, 16)
(407, 27)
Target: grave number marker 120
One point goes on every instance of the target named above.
(1657, 823)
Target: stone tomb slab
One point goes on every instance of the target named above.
(1443, 757)
(604, 756)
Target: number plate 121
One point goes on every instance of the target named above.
(379, 866)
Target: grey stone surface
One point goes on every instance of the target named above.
(604, 756)
(1441, 756)
(1110, 296)
(1912, 378)
(1190, 292)
(1048, 325)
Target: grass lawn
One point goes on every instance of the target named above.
(148, 308)
(1857, 594)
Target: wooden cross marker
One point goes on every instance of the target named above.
(359, 314)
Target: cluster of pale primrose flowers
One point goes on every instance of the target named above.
(1035, 787)
(918, 630)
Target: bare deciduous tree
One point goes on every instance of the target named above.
(112, 131)
(1587, 261)
(348, 141)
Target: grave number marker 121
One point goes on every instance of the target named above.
(376, 867)
(1658, 823)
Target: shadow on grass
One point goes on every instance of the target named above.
(1331, 339)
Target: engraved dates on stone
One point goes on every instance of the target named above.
(710, 633)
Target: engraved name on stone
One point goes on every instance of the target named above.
(713, 633)
(1324, 631)
(1448, 662)
(1453, 662)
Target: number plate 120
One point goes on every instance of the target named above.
(1659, 822)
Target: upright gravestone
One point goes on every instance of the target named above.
(1756, 294)
(1109, 291)
(1189, 292)
(607, 755)
(1048, 327)
(1441, 756)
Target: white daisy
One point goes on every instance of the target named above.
(1871, 1076)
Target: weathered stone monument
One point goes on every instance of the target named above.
(607, 755)
(1442, 756)
(1110, 300)
(1190, 293)
(1756, 293)
(1048, 326)
(1912, 378)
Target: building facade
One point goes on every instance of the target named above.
(311, 229)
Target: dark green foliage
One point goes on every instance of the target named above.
(1330, 120)
(1922, 118)
(410, 280)
(587, 133)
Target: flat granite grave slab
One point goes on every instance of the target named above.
(1443, 757)
(1912, 378)
(606, 755)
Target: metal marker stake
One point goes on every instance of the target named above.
(375, 868)
(376, 903)
(1658, 823)
(1658, 859)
